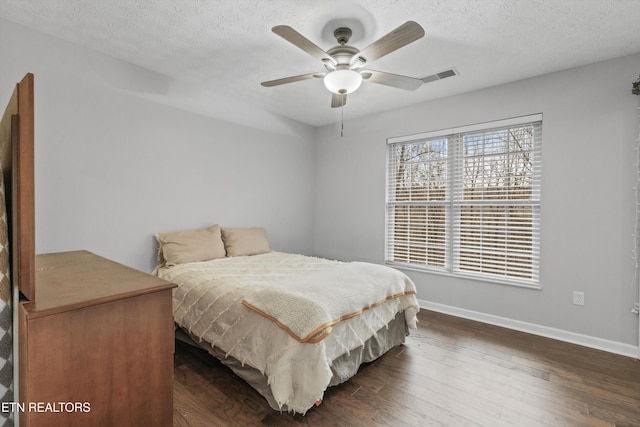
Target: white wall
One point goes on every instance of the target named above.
(114, 164)
(589, 127)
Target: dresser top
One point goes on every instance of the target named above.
(71, 280)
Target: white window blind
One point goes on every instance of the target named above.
(466, 201)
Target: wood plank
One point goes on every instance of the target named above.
(17, 161)
(23, 219)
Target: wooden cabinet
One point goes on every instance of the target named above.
(96, 347)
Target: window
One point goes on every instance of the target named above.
(466, 201)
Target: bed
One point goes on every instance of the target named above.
(290, 325)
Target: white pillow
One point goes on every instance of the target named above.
(245, 241)
(190, 246)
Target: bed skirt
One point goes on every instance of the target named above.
(343, 367)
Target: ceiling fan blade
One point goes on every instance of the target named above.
(297, 39)
(291, 79)
(394, 80)
(338, 100)
(406, 33)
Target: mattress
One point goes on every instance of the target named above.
(208, 305)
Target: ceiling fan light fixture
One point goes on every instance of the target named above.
(343, 81)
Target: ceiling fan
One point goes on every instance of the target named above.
(345, 65)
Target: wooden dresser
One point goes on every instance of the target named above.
(96, 347)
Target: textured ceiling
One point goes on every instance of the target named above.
(226, 48)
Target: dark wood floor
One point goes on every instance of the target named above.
(451, 372)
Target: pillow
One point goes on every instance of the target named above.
(245, 241)
(190, 246)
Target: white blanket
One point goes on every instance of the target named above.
(208, 303)
(307, 306)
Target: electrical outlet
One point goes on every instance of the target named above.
(578, 298)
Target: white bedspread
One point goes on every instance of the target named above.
(208, 303)
(308, 305)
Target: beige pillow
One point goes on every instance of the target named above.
(190, 246)
(245, 241)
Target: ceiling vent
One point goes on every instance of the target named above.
(441, 75)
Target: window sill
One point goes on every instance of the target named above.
(467, 276)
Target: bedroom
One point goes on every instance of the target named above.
(145, 159)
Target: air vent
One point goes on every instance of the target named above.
(439, 76)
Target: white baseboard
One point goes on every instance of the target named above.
(531, 328)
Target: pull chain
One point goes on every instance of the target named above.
(342, 118)
(342, 92)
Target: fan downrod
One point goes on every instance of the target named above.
(342, 35)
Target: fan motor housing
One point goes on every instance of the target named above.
(343, 53)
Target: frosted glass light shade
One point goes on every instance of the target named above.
(343, 81)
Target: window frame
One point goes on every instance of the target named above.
(454, 201)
